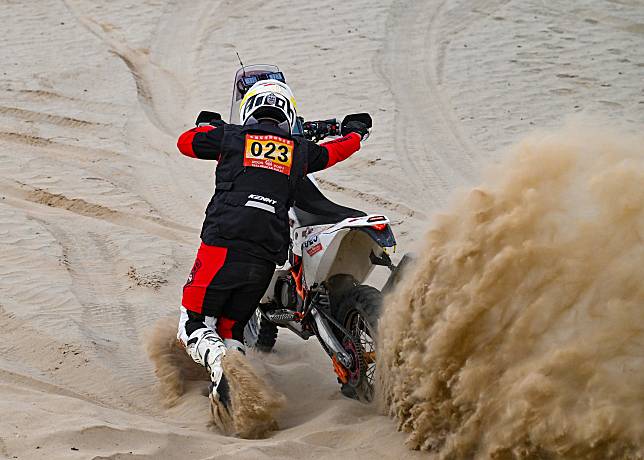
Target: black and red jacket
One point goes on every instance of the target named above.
(257, 177)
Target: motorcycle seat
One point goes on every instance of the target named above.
(311, 207)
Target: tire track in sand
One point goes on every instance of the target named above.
(66, 153)
(434, 153)
(153, 225)
(32, 347)
(84, 105)
(154, 83)
(80, 153)
(42, 117)
(59, 363)
(107, 319)
(162, 75)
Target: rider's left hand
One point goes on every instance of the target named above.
(208, 118)
(356, 127)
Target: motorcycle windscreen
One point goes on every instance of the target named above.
(249, 71)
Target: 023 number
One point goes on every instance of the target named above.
(257, 150)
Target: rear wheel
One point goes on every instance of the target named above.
(358, 310)
(260, 333)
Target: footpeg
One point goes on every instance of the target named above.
(282, 316)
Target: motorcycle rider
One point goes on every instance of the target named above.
(245, 233)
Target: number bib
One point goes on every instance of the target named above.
(268, 152)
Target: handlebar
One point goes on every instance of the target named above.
(318, 130)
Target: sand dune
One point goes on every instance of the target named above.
(99, 214)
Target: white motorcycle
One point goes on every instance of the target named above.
(319, 291)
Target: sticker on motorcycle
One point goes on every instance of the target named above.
(314, 249)
(268, 152)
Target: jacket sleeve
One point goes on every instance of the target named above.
(329, 153)
(203, 142)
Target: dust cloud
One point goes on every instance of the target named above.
(254, 402)
(172, 365)
(520, 332)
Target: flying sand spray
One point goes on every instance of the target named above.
(521, 332)
(254, 403)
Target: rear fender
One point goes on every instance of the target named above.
(345, 251)
(318, 253)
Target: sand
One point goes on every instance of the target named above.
(520, 333)
(100, 215)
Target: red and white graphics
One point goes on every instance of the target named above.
(268, 152)
(312, 245)
(313, 250)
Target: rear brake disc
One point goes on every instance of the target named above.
(358, 369)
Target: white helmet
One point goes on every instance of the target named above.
(269, 99)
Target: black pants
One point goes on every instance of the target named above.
(226, 285)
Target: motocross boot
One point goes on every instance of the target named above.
(223, 389)
(205, 347)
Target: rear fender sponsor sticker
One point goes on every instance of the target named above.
(314, 249)
(312, 246)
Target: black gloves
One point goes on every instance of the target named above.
(357, 123)
(355, 126)
(208, 118)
